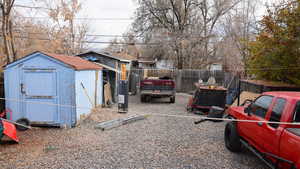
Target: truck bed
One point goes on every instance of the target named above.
(156, 86)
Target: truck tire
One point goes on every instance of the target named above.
(142, 98)
(148, 98)
(23, 121)
(232, 138)
(172, 99)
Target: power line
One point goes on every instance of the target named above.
(99, 42)
(81, 18)
(39, 7)
(122, 43)
(119, 36)
(166, 35)
(93, 35)
(31, 7)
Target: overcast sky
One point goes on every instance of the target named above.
(102, 9)
(112, 9)
(108, 9)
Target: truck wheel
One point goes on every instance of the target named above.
(189, 109)
(172, 99)
(232, 138)
(148, 99)
(142, 99)
(24, 122)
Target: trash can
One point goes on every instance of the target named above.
(123, 96)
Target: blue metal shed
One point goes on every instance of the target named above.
(52, 89)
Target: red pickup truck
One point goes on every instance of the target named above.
(277, 144)
(157, 88)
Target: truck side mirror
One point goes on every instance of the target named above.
(248, 110)
(247, 102)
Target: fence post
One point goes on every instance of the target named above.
(178, 80)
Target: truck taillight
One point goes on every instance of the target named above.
(147, 83)
(169, 84)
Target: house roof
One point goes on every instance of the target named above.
(146, 59)
(75, 62)
(104, 54)
(125, 56)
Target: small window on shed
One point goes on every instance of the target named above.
(297, 113)
(277, 111)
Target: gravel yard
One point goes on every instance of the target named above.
(157, 142)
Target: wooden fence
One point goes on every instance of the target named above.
(185, 79)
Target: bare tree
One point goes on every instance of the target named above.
(240, 25)
(186, 27)
(171, 16)
(7, 32)
(68, 35)
(211, 11)
(58, 34)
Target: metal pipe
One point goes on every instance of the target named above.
(19, 124)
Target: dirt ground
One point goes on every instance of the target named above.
(157, 142)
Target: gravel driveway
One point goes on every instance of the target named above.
(157, 142)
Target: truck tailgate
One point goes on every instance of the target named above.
(157, 85)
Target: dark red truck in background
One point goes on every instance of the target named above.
(157, 88)
(278, 145)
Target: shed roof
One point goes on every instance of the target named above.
(75, 62)
(105, 55)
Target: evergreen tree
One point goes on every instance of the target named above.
(274, 55)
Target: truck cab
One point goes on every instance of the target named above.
(269, 127)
